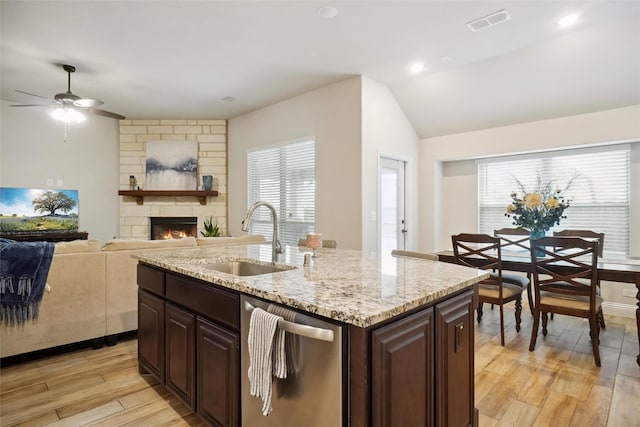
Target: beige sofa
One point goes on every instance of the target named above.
(93, 292)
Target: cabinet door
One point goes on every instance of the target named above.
(218, 374)
(151, 334)
(402, 372)
(180, 353)
(454, 361)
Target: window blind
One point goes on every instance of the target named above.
(283, 176)
(600, 190)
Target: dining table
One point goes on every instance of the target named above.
(609, 270)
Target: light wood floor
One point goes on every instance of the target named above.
(557, 385)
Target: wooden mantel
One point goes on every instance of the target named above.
(139, 195)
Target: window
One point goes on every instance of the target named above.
(599, 192)
(283, 176)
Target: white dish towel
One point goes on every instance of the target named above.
(264, 355)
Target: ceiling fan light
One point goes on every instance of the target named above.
(68, 115)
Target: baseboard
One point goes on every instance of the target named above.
(619, 309)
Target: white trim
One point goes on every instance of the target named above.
(619, 309)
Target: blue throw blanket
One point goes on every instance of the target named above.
(24, 267)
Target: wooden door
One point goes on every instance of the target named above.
(180, 353)
(218, 374)
(151, 334)
(403, 391)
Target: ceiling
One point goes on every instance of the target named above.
(179, 59)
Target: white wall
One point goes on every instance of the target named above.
(32, 150)
(385, 131)
(445, 186)
(331, 115)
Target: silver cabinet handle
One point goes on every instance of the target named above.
(298, 329)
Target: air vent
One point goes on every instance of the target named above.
(489, 20)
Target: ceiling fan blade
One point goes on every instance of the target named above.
(105, 113)
(87, 102)
(33, 94)
(28, 105)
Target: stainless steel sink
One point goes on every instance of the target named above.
(244, 268)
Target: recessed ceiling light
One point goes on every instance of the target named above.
(416, 68)
(568, 20)
(327, 12)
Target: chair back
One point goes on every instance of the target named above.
(583, 233)
(570, 268)
(479, 251)
(412, 254)
(513, 238)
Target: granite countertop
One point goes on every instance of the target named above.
(343, 285)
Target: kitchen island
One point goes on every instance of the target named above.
(406, 329)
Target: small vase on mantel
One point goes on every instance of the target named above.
(533, 235)
(207, 182)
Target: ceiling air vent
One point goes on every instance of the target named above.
(489, 20)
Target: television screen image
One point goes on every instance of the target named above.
(32, 209)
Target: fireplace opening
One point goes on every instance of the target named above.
(173, 227)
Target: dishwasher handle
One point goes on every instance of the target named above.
(298, 329)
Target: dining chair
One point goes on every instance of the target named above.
(584, 234)
(588, 234)
(564, 282)
(516, 239)
(412, 254)
(484, 251)
(332, 244)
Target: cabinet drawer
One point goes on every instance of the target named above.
(206, 300)
(151, 279)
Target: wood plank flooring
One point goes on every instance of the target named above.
(556, 385)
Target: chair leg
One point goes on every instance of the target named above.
(545, 319)
(518, 313)
(479, 311)
(502, 325)
(594, 326)
(530, 297)
(534, 329)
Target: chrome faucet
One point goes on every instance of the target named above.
(277, 247)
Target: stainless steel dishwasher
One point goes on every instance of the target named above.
(311, 396)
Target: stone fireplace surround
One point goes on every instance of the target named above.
(211, 136)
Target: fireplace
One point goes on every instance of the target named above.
(173, 227)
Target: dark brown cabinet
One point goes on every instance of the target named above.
(180, 359)
(403, 388)
(218, 374)
(188, 338)
(151, 334)
(422, 368)
(454, 362)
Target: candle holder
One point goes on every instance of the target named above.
(314, 241)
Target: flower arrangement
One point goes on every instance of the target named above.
(540, 209)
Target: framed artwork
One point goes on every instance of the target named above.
(172, 165)
(32, 209)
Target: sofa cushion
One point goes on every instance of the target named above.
(76, 246)
(128, 244)
(240, 240)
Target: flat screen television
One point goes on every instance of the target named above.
(38, 210)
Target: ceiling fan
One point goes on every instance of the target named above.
(71, 105)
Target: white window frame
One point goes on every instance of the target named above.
(601, 211)
(288, 166)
